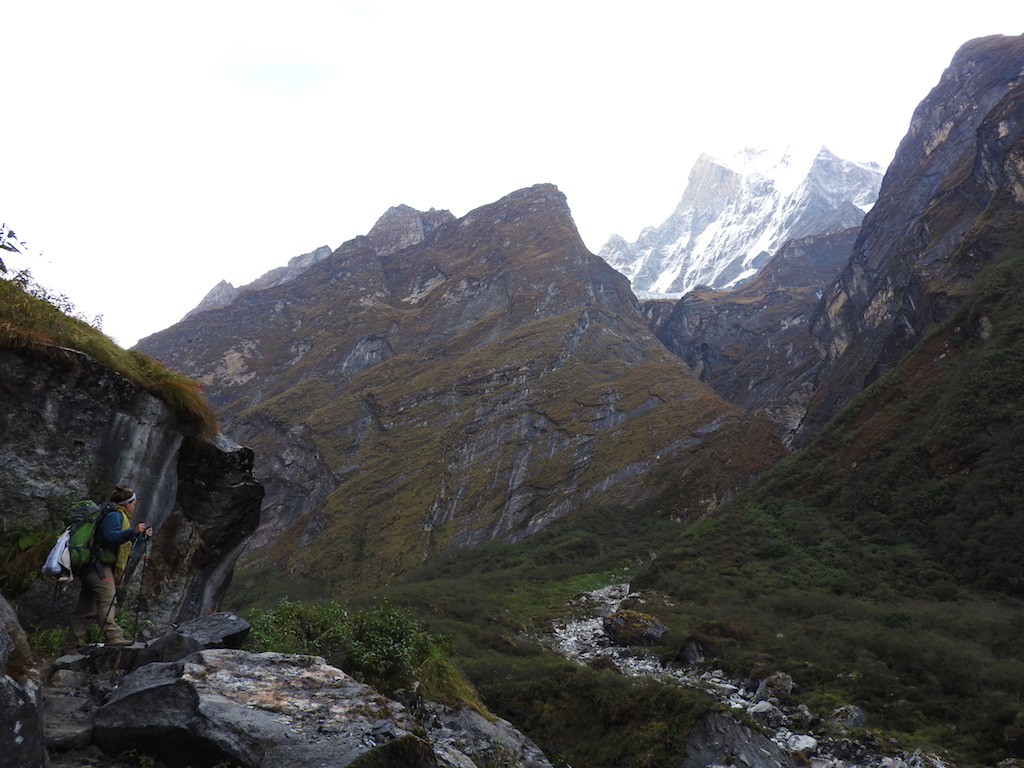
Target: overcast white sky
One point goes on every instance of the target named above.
(150, 150)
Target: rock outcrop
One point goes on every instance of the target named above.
(185, 699)
(753, 345)
(402, 227)
(71, 428)
(269, 709)
(21, 725)
(224, 292)
(718, 739)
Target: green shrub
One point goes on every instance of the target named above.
(22, 551)
(46, 642)
(383, 646)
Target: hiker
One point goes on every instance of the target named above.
(101, 577)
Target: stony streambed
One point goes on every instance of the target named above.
(822, 742)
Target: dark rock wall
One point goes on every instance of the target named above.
(942, 203)
(753, 344)
(71, 428)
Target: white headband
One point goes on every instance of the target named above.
(129, 500)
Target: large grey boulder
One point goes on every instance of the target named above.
(256, 710)
(718, 739)
(461, 734)
(267, 710)
(631, 627)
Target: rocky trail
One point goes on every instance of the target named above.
(190, 697)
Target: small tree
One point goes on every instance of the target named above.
(9, 242)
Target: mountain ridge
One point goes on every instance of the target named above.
(462, 385)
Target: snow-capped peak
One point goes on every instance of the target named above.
(735, 213)
(786, 167)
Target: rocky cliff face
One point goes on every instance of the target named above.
(72, 429)
(479, 384)
(753, 344)
(735, 214)
(399, 227)
(951, 193)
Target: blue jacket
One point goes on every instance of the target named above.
(114, 530)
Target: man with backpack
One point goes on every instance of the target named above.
(100, 577)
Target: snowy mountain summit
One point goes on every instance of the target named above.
(734, 215)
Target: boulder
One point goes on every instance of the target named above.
(21, 727)
(15, 653)
(694, 651)
(256, 710)
(633, 628)
(718, 739)
(776, 687)
(270, 709)
(486, 741)
(849, 716)
(68, 713)
(767, 714)
(218, 630)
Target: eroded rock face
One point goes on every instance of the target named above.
(753, 345)
(70, 429)
(943, 211)
(401, 227)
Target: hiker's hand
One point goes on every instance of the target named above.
(141, 528)
(149, 533)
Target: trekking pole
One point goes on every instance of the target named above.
(142, 581)
(119, 584)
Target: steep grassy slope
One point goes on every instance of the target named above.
(884, 563)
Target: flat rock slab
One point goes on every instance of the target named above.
(261, 710)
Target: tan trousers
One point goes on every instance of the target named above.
(97, 601)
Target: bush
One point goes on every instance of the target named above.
(382, 646)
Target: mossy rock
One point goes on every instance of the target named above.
(633, 628)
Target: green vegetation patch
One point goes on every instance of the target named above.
(383, 646)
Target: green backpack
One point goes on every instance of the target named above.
(76, 547)
(83, 517)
